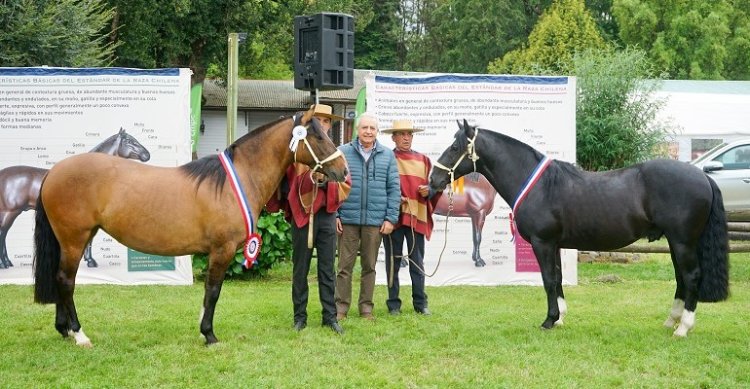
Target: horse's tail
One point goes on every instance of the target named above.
(46, 258)
(713, 252)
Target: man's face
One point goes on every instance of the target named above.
(367, 131)
(402, 139)
(325, 122)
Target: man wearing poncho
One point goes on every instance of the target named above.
(415, 219)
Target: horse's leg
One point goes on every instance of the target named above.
(561, 304)
(678, 305)
(6, 221)
(66, 283)
(218, 261)
(551, 277)
(90, 262)
(686, 260)
(477, 223)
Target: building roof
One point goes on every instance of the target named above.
(281, 95)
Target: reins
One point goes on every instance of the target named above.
(471, 152)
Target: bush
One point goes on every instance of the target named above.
(277, 247)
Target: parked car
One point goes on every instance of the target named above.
(729, 165)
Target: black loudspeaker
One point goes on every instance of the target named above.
(324, 51)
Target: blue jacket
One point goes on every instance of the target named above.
(376, 189)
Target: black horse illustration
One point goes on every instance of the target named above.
(19, 188)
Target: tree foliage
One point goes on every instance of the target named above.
(55, 33)
(690, 39)
(564, 28)
(464, 35)
(616, 110)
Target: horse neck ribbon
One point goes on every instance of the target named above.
(531, 180)
(253, 242)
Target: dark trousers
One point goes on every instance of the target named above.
(415, 240)
(324, 241)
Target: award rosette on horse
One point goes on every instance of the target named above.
(253, 242)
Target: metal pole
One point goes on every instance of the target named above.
(232, 69)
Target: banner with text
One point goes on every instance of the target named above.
(475, 247)
(48, 114)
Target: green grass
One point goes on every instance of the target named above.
(147, 336)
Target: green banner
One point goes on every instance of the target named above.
(196, 93)
(138, 261)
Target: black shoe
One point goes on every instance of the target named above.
(395, 312)
(299, 325)
(424, 311)
(336, 327)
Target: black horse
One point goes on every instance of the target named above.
(556, 205)
(19, 187)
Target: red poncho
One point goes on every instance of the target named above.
(414, 169)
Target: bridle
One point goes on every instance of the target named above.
(299, 133)
(471, 152)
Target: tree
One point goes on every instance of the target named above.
(565, 28)
(616, 122)
(464, 35)
(690, 39)
(54, 33)
(376, 44)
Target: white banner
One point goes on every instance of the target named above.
(48, 114)
(539, 111)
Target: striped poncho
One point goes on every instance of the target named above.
(414, 169)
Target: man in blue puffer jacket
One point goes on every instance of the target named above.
(370, 211)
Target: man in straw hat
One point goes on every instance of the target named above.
(311, 207)
(415, 218)
(367, 215)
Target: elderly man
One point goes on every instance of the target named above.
(415, 219)
(368, 213)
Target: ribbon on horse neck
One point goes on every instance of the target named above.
(253, 242)
(531, 180)
(471, 152)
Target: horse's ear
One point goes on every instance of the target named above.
(458, 122)
(469, 130)
(308, 115)
(122, 130)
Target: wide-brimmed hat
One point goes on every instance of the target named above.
(401, 125)
(325, 111)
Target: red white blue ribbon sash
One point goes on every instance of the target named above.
(525, 189)
(253, 242)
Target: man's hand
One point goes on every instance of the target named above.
(339, 227)
(424, 190)
(386, 228)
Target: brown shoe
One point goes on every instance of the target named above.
(340, 316)
(367, 316)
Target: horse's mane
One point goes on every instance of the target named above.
(209, 168)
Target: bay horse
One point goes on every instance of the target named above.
(557, 205)
(189, 209)
(19, 188)
(476, 202)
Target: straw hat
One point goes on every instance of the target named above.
(325, 111)
(402, 125)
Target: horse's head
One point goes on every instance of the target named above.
(131, 148)
(318, 152)
(457, 160)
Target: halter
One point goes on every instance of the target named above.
(471, 152)
(299, 133)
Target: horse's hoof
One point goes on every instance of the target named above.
(548, 324)
(670, 322)
(3, 265)
(680, 332)
(479, 263)
(91, 263)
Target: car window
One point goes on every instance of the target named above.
(735, 158)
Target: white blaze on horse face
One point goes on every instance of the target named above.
(687, 322)
(562, 306)
(81, 338)
(675, 314)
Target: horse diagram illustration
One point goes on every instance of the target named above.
(19, 188)
(475, 202)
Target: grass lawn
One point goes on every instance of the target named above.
(147, 336)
